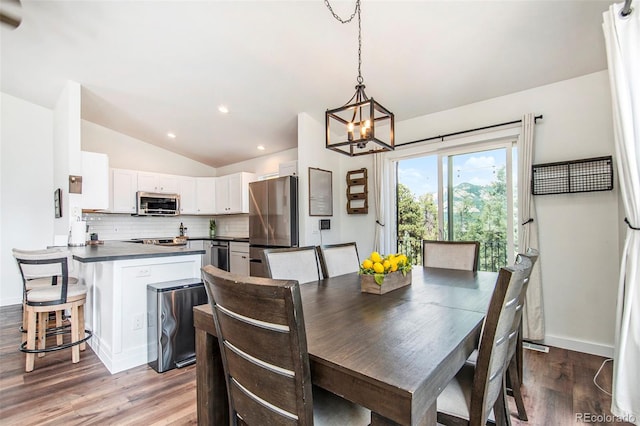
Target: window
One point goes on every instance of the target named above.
(459, 194)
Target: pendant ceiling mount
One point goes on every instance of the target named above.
(361, 126)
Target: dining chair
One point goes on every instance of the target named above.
(41, 300)
(338, 259)
(261, 333)
(451, 254)
(515, 356)
(477, 391)
(297, 263)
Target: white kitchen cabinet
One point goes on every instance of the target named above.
(232, 193)
(205, 195)
(156, 182)
(239, 258)
(188, 196)
(122, 193)
(95, 181)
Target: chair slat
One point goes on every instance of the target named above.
(259, 342)
(255, 413)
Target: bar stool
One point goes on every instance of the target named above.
(40, 281)
(51, 265)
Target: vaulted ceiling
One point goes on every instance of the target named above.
(152, 67)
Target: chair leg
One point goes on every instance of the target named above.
(83, 345)
(515, 388)
(500, 410)
(31, 339)
(58, 325)
(75, 350)
(43, 321)
(24, 322)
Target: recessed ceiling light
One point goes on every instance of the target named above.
(171, 135)
(260, 147)
(223, 109)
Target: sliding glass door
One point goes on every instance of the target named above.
(459, 195)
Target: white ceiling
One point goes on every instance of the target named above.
(152, 67)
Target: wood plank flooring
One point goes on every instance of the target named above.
(556, 387)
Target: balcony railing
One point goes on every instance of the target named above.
(492, 256)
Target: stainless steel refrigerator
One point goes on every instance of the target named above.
(273, 218)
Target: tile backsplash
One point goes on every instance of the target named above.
(125, 227)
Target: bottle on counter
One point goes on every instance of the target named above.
(181, 229)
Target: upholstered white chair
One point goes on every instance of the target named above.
(298, 263)
(477, 391)
(338, 259)
(42, 267)
(451, 254)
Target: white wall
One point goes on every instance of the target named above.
(579, 233)
(26, 182)
(261, 166)
(126, 152)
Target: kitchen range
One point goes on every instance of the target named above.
(217, 249)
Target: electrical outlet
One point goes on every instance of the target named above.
(138, 321)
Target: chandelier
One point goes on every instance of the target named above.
(362, 125)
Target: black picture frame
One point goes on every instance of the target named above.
(57, 202)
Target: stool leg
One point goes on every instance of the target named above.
(43, 320)
(31, 339)
(83, 345)
(75, 350)
(58, 325)
(24, 322)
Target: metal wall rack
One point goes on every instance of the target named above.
(565, 177)
(357, 192)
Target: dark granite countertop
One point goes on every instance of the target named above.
(120, 250)
(222, 238)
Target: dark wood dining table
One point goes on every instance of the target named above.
(392, 353)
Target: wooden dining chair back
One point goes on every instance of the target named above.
(338, 259)
(261, 334)
(515, 356)
(461, 255)
(298, 263)
(50, 265)
(469, 400)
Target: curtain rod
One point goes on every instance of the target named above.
(626, 9)
(441, 137)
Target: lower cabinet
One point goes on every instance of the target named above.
(239, 258)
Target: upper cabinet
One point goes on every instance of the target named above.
(232, 193)
(188, 195)
(124, 184)
(205, 195)
(155, 182)
(95, 181)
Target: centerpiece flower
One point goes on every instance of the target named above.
(381, 266)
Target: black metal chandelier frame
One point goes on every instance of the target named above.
(359, 117)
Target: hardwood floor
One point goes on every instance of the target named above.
(556, 387)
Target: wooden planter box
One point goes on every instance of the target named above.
(392, 281)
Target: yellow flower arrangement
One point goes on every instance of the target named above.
(379, 265)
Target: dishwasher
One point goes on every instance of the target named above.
(171, 336)
(220, 254)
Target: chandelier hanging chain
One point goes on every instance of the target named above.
(346, 21)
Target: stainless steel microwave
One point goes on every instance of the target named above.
(152, 204)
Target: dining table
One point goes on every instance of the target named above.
(391, 353)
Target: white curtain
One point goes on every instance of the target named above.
(377, 200)
(533, 311)
(622, 39)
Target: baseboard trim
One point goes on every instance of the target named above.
(579, 346)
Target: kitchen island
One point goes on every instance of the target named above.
(117, 274)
